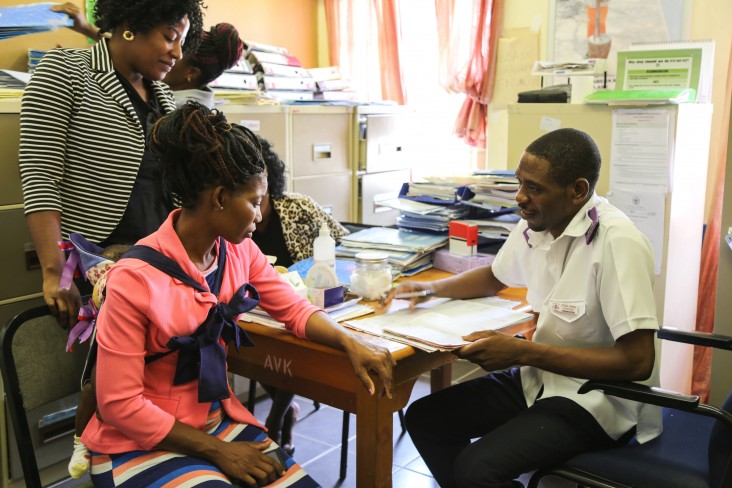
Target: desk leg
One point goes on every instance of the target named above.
(441, 377)
(374, 440)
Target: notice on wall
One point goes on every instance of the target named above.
(647, 210)
(518, 49)
(641, 148)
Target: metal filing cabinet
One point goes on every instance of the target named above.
(381, 142)
(20, 287)
(314, 141)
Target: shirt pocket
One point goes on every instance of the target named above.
(570, 319)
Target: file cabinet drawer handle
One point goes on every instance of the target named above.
(322, 151)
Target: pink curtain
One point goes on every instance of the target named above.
(392, 79)
(467, 62)
(702, 366)
(364, 40)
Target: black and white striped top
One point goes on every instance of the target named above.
(81, 142)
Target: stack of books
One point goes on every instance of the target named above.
(409, 252)
(279, 74)
(331, 86)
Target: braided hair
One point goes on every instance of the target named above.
(220, 48)
(199, 149)
(275, 170)
(144, 15)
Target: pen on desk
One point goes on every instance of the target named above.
(414, 294)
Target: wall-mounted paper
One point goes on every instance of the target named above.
(640, 150)
(647, 210)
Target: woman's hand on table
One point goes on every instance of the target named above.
(247, 462)
(367, 357)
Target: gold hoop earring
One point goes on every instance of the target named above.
(188, 78)
(128, 35)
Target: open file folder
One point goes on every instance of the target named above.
(30, 19)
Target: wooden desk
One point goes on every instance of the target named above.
(326, 375)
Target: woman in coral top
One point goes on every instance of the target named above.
(165, 410)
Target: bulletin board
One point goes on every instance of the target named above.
(626, 21)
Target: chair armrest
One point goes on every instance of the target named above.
(707, 339)
(643, 393)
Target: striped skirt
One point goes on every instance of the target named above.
(171, 470)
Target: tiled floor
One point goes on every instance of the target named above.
(318, 441)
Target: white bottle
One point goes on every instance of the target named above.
(324, 247)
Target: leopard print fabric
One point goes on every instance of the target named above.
(301, 219)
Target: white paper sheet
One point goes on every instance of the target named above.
(647, 210)
(641, 148)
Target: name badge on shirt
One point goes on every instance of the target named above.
(565, 308)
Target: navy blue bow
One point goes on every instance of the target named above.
(202, 356)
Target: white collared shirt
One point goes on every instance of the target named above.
(588, 294)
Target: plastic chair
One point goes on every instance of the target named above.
(36, 370)
(344, 428)
(694, 451)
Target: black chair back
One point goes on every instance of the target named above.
(36, 370)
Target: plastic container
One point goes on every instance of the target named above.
(324, 247)
(372, 276)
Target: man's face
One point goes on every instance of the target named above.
(543, 202)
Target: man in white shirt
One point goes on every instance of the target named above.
(589, 275)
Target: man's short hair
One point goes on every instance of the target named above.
(571, 154)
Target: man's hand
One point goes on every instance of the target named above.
(367, 357)
(409, 287)
(63, 303)
(492, 350)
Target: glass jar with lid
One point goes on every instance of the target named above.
(372, 276)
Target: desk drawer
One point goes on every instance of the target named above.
(332, 192)
(19, 279)
(320, 143)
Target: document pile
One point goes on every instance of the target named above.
(493, 190)
(331, 86)
(349, 309)
(439, 324)
(409, 252)
(279, 74)
(30, 19)
(238, 77)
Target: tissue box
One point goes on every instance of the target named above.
(455, 263)
(326, 297)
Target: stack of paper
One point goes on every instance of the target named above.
(238, 77)
(350, 309)
(438, 324)
(30, 19)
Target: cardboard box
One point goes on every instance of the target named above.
(326, 297)
(455, 263)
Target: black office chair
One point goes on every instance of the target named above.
(694, 451)
(37, 370)
(344, 429)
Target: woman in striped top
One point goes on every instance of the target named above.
(84, 163)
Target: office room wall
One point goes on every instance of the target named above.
(289, 23)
